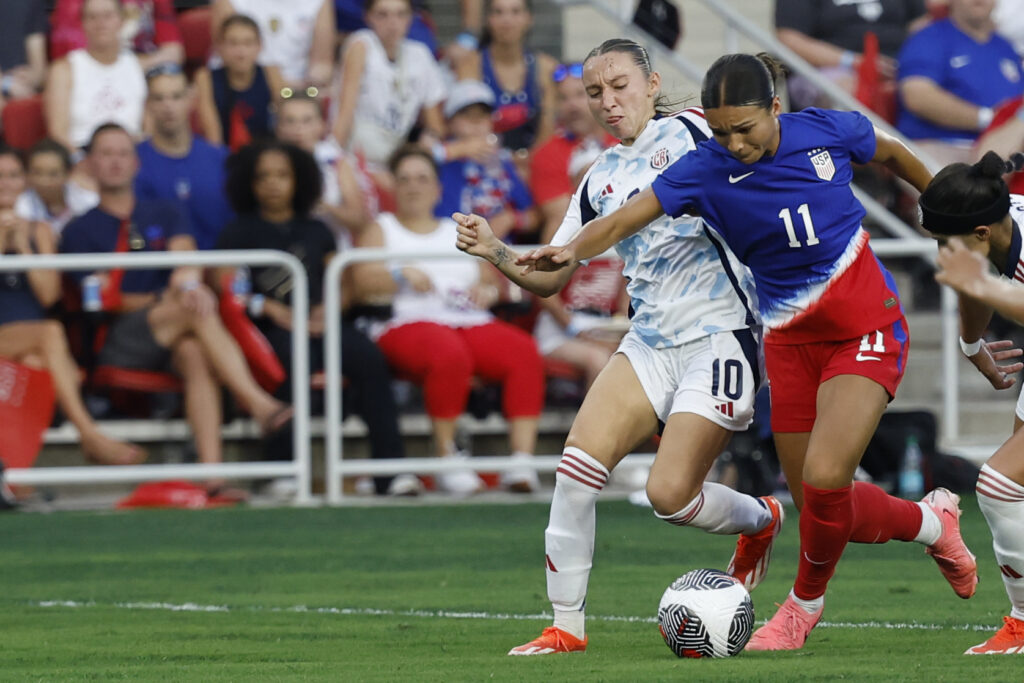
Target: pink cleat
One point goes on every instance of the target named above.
(950, 552)
(749, 563)
(1009, 640)
(787, 630)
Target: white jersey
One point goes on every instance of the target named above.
(1015, 261)
(448, 302)
(391, 95)
(104, 93)
(286, 30)
(683, 281)
(77, 200)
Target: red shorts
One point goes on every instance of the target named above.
(795, 371)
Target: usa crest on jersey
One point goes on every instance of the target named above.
(822, 162)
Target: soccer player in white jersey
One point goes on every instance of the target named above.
(970, 210)
(691, 359)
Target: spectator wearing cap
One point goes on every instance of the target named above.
(298, 36)
(953, 73)
(177, 166)
(489, 184)
(150, 30)
(22, 48)
(567, 328)
(99, 83)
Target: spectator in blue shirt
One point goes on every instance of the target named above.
(164, 321)
(488, 183)
(177, 166)
(952, 73)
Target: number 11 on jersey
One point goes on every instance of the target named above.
(787, 220)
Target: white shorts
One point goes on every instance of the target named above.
(715, 377)
(1020, 405)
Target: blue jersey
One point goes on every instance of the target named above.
(790, 217)
(984, 74)
(195, 182)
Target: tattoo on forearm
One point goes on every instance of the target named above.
(501, 256)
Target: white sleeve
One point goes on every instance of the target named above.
(579, 212)
(432, 85)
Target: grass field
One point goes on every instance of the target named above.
(439, 593)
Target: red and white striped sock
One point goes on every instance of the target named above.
(1001, 500)
(719, 509)
(569, 537)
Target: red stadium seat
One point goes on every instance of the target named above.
(196, 33)
(23, 122)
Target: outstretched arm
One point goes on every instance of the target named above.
(980, 294)
(895, 156)
(597, 236)
(477, 238)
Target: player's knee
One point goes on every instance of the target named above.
(669, 498)
(188, 356)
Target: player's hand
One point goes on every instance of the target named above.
(547, 259)
(991, 361)
(475, 236)
(960, 268)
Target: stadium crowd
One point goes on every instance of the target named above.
(313, 126)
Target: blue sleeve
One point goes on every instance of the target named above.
(922, 55)
(175, 221)
(678, 188)
(856, 133)
(451, 189)
(520, 197)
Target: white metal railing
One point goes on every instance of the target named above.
(299, 467)
(336, 467)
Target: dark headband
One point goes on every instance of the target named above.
(960, 224)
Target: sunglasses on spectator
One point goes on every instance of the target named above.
(564, 71)
(164, 69)
(310, 92)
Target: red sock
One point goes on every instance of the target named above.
(825, 523)
(879, 517)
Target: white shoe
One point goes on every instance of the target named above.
(405, 485)
(523, 478)
(364, 486)
(460, 482)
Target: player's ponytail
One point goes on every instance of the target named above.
(741, 80)
(963, 196)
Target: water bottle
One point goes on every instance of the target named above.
(92, 298)
(911, 476)
(241, 286)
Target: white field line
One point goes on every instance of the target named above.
(447, 614)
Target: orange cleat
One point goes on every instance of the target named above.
(1009, 640)
(552, 641)
(749, 564)
(787, 630)
(955, 561)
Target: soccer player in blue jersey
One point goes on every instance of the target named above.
(776, 187)
(691, 358)
(970, 210)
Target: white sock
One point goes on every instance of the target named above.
(569, 538)
(1001, 500)
(809, 606)
(931, 526)
(719, 509)
(570, 621)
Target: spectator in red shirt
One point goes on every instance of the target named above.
(150, 30)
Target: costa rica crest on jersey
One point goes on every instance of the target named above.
(822, 162)
(659, 159)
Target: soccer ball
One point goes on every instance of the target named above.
(706, 613)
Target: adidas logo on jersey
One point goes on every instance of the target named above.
(606, 191)
(725, 409)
